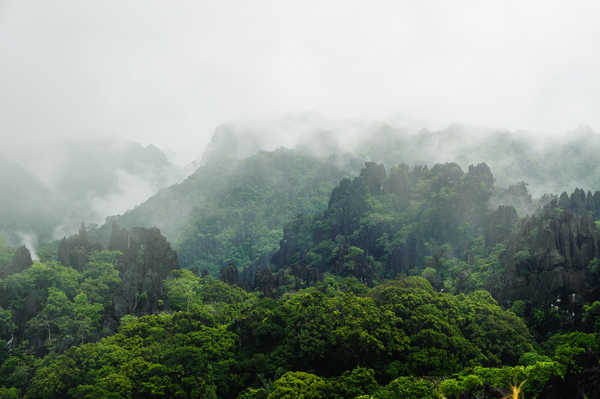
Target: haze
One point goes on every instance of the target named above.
(168, 73)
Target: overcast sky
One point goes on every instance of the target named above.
(168, 72)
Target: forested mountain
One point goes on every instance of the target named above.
(379, 225)
(299, 200)
(234, 211)
(336, 279)
(438, 223)
(549, 165)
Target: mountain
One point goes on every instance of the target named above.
(337, 278)
(548, 165)
(233, 210)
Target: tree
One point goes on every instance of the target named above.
(298, 384)
(407, 388)
(22, 260)
(65, 321)
(229, 274)
(358, 381)
(86, 316)
(182, 289)
(7, 325)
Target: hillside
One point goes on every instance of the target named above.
(299, 200)
(336, 279)
(233, 211)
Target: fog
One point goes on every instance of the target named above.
(83, 81)
(169, 73)
(50, 186)
(30, 242)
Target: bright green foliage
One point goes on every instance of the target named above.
(311, 331)
(187, 292)
(348, 345)
(150, 357)
(214, 291)
(359, 381)
(113, 386)
(182, 290)
(449, 332)
(452, 388)
(350, 329)
(591, 316)
(324, 320)
(86, 316)
(9, 393)
(530, 358)
(401, 328)
(100, 277)
(298, 384)
(55, 306)
(518, 307)
(570, 348)
(475, 382)
(26, 293)
(407, 388)
(64, 321)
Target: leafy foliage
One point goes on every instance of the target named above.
(396, 287)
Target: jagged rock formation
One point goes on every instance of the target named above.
(146, 262)
(551, 260)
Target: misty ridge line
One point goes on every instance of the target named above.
(132, 173)
(509, 153)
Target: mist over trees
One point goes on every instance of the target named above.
(316, 273)
(78, 180)
(299, 200)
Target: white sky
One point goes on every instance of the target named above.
(167, 72)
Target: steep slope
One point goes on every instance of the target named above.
(234, 211)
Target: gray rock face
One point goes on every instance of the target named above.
(548, 260)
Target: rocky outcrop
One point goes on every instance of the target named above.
(548, 263)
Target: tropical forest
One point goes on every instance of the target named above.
(286, 274)
(315, 199)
